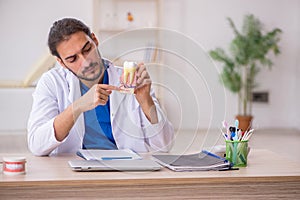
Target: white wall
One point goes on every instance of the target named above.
(24, 29)
(205, 21)
(15, 107)
(25, 25)
(296, 86)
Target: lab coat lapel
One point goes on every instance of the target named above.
(74, 87)
(74, 94)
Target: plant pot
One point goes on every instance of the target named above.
(245, 122)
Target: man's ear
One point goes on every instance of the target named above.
(94, 38)
(61, 62)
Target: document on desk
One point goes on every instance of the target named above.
(203, 161)
(112, 160)
(97, 154)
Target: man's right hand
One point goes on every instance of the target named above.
(97, 95)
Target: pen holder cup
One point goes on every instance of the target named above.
(237, 152)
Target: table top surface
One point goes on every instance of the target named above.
(261, 164)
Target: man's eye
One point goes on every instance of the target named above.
(87, 50)
(73, 59)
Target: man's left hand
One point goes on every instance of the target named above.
(143, 82)
(142, 93)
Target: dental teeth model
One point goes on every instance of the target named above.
(129, 70)
(128, 82)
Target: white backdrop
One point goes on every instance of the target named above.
(25, 25)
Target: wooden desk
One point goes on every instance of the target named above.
(267, 176)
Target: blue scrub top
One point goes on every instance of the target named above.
(98, 132)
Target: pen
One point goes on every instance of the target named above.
(214, 155)
(246, 135)
(233, 135)
(225, 125)
(223, 134)
(240, 135)
(116, 158)
(249, 134)
(236, 123)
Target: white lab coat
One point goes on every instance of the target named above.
(59, 87)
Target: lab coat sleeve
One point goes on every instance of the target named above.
(41, 136)
(159, 136)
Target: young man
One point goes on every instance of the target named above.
(77, 104)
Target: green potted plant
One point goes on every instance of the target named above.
(249, 52)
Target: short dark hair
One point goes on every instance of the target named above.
(61, 31)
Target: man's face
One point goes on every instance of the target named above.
(80, 55)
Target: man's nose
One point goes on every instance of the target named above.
(82, 60)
